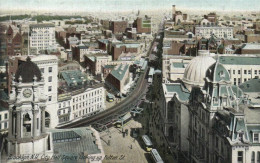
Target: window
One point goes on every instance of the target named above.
(50, 79)
(255, 72)
(235, 81)
(234, 72)
(249, 71)
(245, 72)
(245, 80)
(258, 157)
(49, 98)
(0, 117)
(59, 105)
(216, 142)
(5, 125)
(240, 156)
(253, 157)
(0, 126)
(256, 137)
(49, 88)
(50, 69)
(42, 70)
(5, 115)
(238, 71)
(37, 123)
(238, 82)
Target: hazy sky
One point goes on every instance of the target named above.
(121, 5)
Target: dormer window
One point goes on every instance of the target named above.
(221, 74)
(240, 136)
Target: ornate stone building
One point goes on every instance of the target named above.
(26, 133)
(208, 119)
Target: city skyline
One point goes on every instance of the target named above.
(125, 5)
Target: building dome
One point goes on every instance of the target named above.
(27, 70)
(195, 72)
(217, 72)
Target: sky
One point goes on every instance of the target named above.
(123, 5)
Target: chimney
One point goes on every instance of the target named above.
(173, 11)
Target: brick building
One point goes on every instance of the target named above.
(118, 49)
(252, 38)
(118, 26)
(143, 25)
(96, 62)
(14, 42)
(106, 69)
(250, 49)
(118, 77)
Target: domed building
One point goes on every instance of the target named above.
(208, 119)
(195, 72)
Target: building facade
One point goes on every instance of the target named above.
(219, 32)
(27, 133)
(42, 36)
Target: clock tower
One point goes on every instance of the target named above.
(26, 133)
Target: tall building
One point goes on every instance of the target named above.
(143, 25)
(28, 135)
(78, 97)
(42, 36)
(27, 106)
(208, 119)
(14, 41)
(177, 16)
(219, 32)
(118, 26)
(48, 65)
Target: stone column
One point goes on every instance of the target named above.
(10, 121)
(19, 123)
(43, 120)
(33, 123)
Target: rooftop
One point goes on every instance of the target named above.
(178, 65)
(251, 46)
(74, 77)
(42, 25)
(252, 85)
(239, 60)
(119, 71)
(3, 95)
(74, 141)
(127, 45)
(176, 88)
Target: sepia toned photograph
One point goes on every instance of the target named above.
(129, 81)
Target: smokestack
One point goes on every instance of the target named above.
(173, 11)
